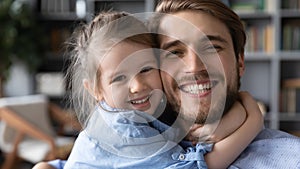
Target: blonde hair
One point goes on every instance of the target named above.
(88, 45)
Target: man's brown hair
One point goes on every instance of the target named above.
(215, 8)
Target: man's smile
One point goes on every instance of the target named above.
(198, 88)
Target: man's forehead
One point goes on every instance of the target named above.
(173, 29)
(191, 26)
(176, 28)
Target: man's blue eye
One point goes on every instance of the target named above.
(146, 69)
(175, 52)
(212, 48)
(172, 54)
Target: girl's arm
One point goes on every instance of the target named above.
(53, 164)
(228, 149)
(43, 165)
(217, 131)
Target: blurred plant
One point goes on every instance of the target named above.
(21, 38)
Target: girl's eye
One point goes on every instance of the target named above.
(119, 78)
(146, 69)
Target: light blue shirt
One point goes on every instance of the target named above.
(132, 139)
(271, 149)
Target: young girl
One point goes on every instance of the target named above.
(117, 93)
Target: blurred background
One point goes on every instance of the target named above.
(33, 60)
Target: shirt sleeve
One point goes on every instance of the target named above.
(58, 164)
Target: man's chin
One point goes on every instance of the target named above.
(199, 115)
(208, 116)
(193, 116)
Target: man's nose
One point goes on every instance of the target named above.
(136, 85)
(193, 62)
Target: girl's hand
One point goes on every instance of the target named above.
(194, 133)
(217, 131)
(252, 109)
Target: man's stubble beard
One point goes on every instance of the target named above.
(200, 116)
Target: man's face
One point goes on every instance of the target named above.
(200, 72)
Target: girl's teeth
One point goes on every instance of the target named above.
(140, 101)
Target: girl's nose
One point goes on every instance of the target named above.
(136, 85)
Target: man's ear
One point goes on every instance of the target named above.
(87, 85)
(241, 64)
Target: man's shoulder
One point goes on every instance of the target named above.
(266, 134)
(271, 149)
(276, 140)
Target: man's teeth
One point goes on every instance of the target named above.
(140, 101)
(197, 88)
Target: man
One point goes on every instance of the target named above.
(225, 32)
(197, 78)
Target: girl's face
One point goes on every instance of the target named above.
(130, 78)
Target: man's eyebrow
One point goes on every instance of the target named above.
(203, 39)
(214, 38)
(170, 44)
